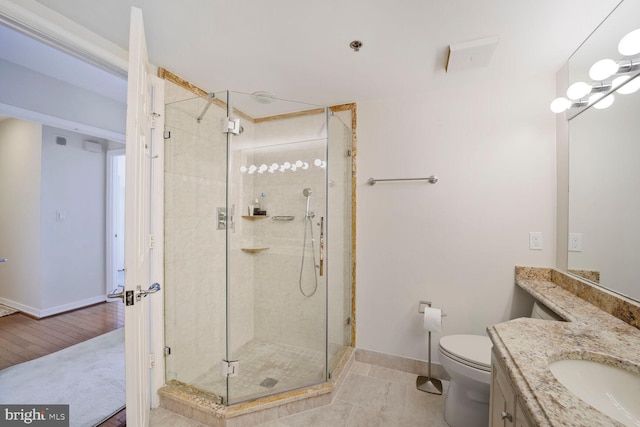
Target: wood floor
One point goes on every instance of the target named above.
(23, 338)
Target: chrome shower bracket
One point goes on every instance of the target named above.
(231, 125)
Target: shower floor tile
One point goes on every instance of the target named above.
(266, 368)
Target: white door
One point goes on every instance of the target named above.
(143, 228)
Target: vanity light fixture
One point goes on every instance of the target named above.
(630, 44)
(578, 93)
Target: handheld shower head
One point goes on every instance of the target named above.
(307, 193)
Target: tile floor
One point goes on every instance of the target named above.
(371, 396)
(266, 368)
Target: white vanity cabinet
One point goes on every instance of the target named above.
(505, 409)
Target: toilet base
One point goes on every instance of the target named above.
(466, 407)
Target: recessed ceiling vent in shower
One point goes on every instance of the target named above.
(263, 97)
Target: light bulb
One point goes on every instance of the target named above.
(252, 169)
(630, 43)
(604, 103)
(243, 169)
(560, 105)
(595, 97)
(305, 165)
(628, 88)
(299, 163)
(578, 90)
(294, 168)
(286, 165)
(317, 162)
(603, 69)
(274, 166)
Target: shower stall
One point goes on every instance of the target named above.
(257, 244)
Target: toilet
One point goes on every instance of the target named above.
(467, 360)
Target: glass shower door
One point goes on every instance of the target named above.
(276, 246)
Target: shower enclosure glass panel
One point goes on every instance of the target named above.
(276, 248)
(265, 284)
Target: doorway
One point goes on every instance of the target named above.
(115, 220)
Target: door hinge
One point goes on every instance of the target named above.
(229, 368)
(230, 125)
(167, 350)
(167, 134)
(152, 361)
(152, 241)
(153, 119)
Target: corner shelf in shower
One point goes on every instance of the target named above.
(253, 250)
(254, 217)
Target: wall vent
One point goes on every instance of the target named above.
(92, 146)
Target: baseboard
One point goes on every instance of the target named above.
(38, 314)
(72, 306)
(400, 363)
(31, 311)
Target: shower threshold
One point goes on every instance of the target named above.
(207, 407)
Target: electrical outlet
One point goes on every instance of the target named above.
(535, 240)
(575, 242)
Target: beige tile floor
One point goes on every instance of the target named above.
(371, 396)
(289, 366)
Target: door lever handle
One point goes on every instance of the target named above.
(4, 260)
(114, 295)
(152, 290)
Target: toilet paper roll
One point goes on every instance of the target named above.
(432, 319)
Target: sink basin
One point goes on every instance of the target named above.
(613, 391)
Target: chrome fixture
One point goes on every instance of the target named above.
(206, 107)
(308, 224)
(431, 179)
(599, 92)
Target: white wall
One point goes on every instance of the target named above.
(73, 222)
(28, 90)
(20, 154)
(454, 243)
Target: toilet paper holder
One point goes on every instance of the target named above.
(428, 383)
(423, 304)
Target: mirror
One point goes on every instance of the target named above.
(604, 165)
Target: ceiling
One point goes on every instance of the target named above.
(300, 49)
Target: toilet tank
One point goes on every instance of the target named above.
(541, 311)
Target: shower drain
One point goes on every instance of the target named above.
(269, 382)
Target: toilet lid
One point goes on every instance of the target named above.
(475, 349)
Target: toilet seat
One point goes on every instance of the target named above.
(470, 350)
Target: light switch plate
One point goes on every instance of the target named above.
(535, 240)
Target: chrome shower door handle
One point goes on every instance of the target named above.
(4, 260)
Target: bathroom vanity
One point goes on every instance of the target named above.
(524, 391)
(505, 406)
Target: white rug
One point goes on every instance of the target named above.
(5, 311)
(89, 377)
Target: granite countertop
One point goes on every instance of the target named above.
(526, 346)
